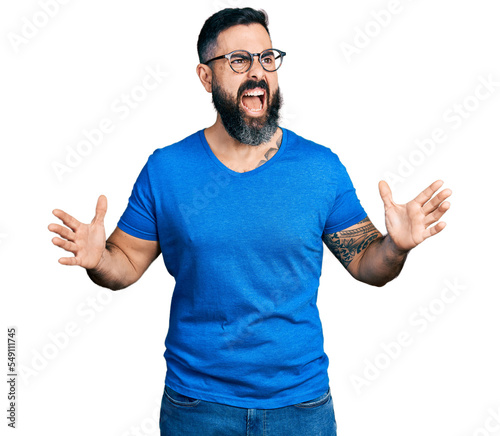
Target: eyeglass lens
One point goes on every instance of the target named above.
(240, 61)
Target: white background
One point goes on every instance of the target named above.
(369, 107)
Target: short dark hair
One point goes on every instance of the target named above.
(222, 20)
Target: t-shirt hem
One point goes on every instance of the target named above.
(134, 232)
(356, 219)
(248, 403)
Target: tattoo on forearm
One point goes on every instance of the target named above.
(346, 244)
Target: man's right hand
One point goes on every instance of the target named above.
(86, 241)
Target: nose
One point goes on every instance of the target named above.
(256, 71)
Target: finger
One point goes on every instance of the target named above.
(101, 208)
(434, 230)
(434, 203)
(68, 261)
(385, 193)
(62, 231)
(66, 245)
(67, 219)
(437, 214)
(428, 192)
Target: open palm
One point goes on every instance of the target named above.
(86, 241)
(410, 224)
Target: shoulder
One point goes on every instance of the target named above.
(311, 150)
(177, 148)
(174, 154)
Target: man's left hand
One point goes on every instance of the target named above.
(409, 224)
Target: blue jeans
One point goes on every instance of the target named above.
(186, 416)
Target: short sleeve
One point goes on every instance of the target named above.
(139, 218)
(346, 210)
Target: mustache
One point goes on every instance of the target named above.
(251, 84)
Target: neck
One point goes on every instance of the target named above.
(231, 149)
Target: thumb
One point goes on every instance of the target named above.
(385, 193)
(101, 208)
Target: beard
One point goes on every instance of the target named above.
(245, 129)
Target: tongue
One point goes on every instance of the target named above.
(251, 102)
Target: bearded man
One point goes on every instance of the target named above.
(240, 211)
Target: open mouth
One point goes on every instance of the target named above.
(253, 100)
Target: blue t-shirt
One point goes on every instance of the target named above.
(246, 252)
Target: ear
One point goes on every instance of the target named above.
(205, 74)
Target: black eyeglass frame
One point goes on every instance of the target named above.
(252, 55)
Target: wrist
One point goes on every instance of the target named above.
(397, 251)
(98, 266)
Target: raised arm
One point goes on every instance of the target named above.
(115, 263)
(376, 259)
(349, 246)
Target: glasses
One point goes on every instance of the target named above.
(241, 61)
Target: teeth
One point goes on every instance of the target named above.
(254, 93)
(254, 110)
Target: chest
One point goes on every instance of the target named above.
(244, 215)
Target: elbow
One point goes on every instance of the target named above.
(118, 286)
(380, 282)
(113, 285)
(115, 288)
(377, 282)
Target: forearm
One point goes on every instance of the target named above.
(381, 262)
(114, 271)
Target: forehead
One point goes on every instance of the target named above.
(252, 37)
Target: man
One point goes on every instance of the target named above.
(240, 211)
